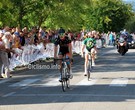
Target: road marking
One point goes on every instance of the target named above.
(24, 82)
(86, 82)
(48, 82)
(9, 94)
(4, 80)
(25, 87)
(73, 95)
(119, 82)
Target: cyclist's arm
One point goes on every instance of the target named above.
(82, 48)
(95, 45)
(70, 50)
(96, 49)
(56, 43)
(83, 45)
(55, 51)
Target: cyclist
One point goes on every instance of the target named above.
(65, 48)
(89, 44)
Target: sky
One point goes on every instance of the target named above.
(128, 0)
(132, 2)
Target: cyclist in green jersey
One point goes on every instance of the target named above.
(89, 46)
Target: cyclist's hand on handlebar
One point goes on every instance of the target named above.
(82, 55)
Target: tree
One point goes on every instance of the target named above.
(101, 15)
(108, 15)
(130, 24)
(5, 15)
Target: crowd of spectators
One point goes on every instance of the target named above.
(16, 37)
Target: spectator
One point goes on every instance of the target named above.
(4, 55)
(111, 39)
(22, 38)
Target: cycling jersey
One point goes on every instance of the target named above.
(64, 45)
(90, 43)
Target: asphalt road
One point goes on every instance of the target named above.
(112, 86)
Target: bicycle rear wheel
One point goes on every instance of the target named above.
(67, 78)
(89, 68)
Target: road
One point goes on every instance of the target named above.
(112, 86)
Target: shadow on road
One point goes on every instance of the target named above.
(96, 93)
(109, 62)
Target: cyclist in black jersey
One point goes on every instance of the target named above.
(65, 48)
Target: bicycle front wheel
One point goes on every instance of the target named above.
(67, 78)
(63, 82)
(89, 69)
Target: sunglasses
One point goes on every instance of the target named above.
(62, 35)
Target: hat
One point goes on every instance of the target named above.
(7, 33)
(16, 33)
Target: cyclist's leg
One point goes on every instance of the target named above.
(93, 53)
(60, 56)
(69, 65)
(86, 62)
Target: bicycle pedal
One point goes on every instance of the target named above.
(60, 80)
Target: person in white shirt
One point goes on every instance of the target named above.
(5, 49)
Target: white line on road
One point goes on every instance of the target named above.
(49, 82)
(24, 82)
(78, 95)
(9, 94)
(119, 82)
(4, 80)
(25, 87)
(86, 82)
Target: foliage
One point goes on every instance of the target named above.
(101, 15)
(130, 25)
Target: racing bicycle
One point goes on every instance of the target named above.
(65, 73)
(89, 66)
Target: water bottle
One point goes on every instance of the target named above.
(67, 60)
